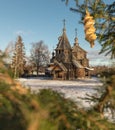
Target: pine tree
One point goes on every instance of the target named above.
(107, 33)
(104, 16)
(18, 60)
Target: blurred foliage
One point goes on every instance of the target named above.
(105, 100)
(2, 70)
(46, 110)
(10, 73)
(104, 16)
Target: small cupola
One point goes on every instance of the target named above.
(76, 39)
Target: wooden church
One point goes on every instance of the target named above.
(68, 63)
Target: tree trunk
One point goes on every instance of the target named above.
(37, 70)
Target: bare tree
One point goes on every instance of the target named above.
(9, 49)
(39, 55)
(18, 59)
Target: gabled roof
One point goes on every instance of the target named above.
(89, 68)
(63, 42)
(76, 63)
(76, 46)
(61, 65)
(50, 68)
(53, 66)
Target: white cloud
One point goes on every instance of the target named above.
(22, 32)
(98, 59)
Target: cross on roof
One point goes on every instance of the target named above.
(76, 32)
(64, 23)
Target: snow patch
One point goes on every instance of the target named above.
(74, 90)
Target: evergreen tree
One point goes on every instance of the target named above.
(107, 34)
(18, 60)
(104, 16)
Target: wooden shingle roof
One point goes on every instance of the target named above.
(63, 42)
(61, 65)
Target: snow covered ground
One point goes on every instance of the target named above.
(74, 90)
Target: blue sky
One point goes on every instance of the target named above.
(37, 20)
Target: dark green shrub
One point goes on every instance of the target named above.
(2, 70)
(4, 86)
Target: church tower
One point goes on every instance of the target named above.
(63, 49)
(68, 63)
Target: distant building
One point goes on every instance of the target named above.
(68, 62)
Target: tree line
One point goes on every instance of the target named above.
(23, 65)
